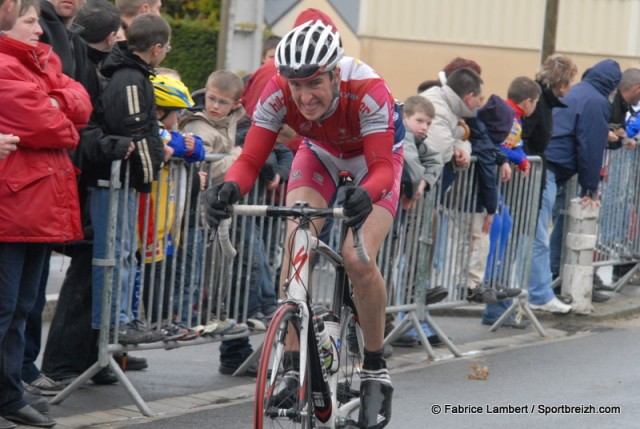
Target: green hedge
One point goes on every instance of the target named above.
(193, 51)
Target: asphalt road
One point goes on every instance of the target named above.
(582, 365)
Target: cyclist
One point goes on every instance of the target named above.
(345, 113)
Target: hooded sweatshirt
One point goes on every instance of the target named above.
(580, 131)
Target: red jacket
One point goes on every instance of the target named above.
(38, 189)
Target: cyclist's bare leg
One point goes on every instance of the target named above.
(369, 289)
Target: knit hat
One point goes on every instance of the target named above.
(497, 116)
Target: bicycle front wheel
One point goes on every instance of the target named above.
(272, 408)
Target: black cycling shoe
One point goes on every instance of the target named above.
(375, 404)
(285, 394)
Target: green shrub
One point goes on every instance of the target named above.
(193, 51)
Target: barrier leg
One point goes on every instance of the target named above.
(133, 393)
(83, 378)
(625, 279)
(520, 302)
(441, 334)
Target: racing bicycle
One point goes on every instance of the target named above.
(325, 387)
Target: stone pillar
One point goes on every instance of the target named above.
(580, 243)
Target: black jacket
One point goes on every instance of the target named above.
(67, 44)
(537, 128)
(127, 109)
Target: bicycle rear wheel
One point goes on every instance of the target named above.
(269, 412)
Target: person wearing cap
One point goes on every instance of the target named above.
(345, 113)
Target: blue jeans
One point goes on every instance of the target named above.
(555, 241)
(21, 266)
(124, 247)
(539, 287)
(33, 328)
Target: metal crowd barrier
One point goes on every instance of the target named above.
(618, 229)
(429, 245)
(194, 285)
(618, 236)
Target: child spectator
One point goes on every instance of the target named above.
(420, 172)
(489, 129)
(127, 109)
(422, 165)
(217, 125)
(172, 97)
(522, 96)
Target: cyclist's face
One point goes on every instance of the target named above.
(313, 96)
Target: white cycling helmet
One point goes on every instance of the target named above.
(308, 50)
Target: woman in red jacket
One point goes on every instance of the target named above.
(38, 192)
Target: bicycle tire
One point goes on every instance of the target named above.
(268, 415)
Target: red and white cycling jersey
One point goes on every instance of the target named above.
(365, 106)
(360, 122)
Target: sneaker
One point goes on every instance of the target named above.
(134, 333)
(482, 295)
(27, 415)
(47, 386)
(6, 424)
(286, 392)
(553, 306)
(436, 294)
(376, 392)
(130, 362)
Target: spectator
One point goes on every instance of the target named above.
(71, 346)
(61, 33)
(217, 126)
(422, 165)
(420, 172)
(9, 10)
(129, 9)
(523, 95)
(494, 123)
(577, 147)
(127, 108)
(32, 82)
(172, 97)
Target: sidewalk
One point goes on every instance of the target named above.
(186, 380)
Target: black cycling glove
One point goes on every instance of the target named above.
(357, 205)
(218, 199)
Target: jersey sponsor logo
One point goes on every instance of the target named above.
(296, 175)
(276, 102)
